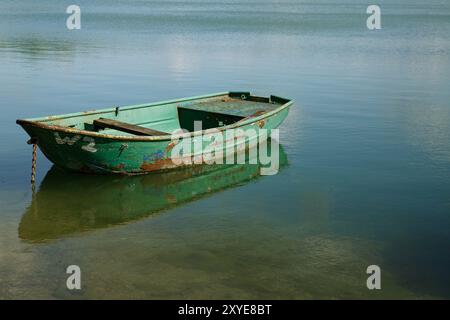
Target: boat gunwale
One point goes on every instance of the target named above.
(40, 123)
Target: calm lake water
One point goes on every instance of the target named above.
(366, 151)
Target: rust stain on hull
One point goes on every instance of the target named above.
(160, 164)
(119, 167)
(164, 164)
(170, 146)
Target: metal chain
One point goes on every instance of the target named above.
(33, 164)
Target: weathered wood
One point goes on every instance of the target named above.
(126, 127)
(259, 99)
(239, 94)
(278, 99)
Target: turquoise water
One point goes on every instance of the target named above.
(366, 178)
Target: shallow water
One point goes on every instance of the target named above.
(367, 148)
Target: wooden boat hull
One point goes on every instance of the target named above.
(68, 145)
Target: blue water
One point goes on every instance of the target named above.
(367, 145)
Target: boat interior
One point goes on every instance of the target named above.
(163, 118)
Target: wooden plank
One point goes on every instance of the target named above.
(279, 99)
(239, 94)
(126, 127)
(232, 117)
(259, 99)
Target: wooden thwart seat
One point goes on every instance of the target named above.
(126, 127)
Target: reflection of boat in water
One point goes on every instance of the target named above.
(68, 203)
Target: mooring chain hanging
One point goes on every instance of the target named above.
(33, 141)
(33, 164)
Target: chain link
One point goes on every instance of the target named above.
(33, 164)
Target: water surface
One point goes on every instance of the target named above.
(367, 148)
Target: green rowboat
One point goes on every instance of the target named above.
(139, 139)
